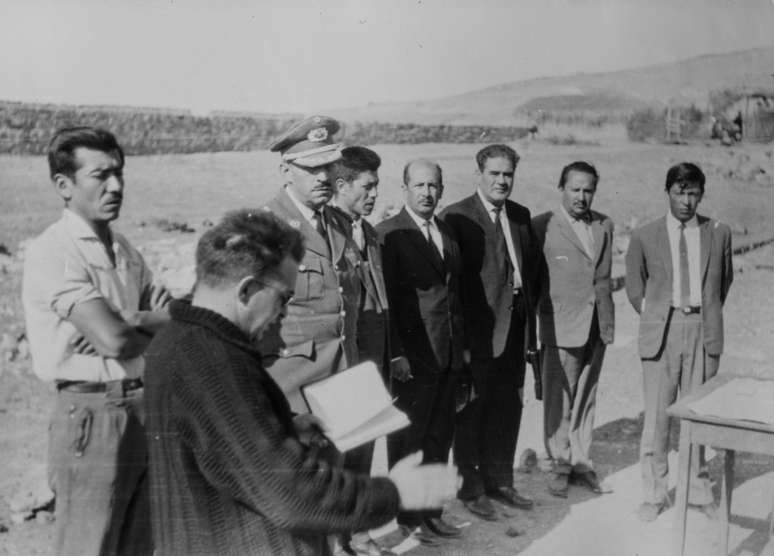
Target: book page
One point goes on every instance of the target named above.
(348, 399)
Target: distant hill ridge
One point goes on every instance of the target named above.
(683, 82)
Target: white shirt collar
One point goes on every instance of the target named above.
(572, 220)
(419, 220)
(674, 223)
(77, 225)
(488, 205)
(305, 211)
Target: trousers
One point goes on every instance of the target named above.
(570, 379)
(97, 463)
(682, 365)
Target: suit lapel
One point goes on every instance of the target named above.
(663, 247)
(598, 234)
(312, 240)
(705, 245)
(374, 262)
(336, 236)
(515, 237)
(566, 230)
(417, 237)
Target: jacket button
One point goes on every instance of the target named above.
(302, 267)
(343, 337)
(285, 352)
(341, 289)
(343, 313)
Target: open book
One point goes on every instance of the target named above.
(354, 405)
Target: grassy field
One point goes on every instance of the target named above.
(192, 189)
(199, 187)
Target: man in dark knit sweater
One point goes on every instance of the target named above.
(232, 470)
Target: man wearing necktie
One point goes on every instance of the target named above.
(356, 181)
(678, 273)
(316, 338)
(577, 320)
(422, 266)
(499, 257)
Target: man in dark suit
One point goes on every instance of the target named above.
(356, 181)
(499, 257)
(317, 336)
(577, 321)
(422, 273)
(678, 273)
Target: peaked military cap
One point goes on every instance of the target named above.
(309, 143)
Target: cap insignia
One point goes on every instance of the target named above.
(317, 134)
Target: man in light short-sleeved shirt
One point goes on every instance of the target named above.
(91, 310)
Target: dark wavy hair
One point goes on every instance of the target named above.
(497, 150)
(61, 148)
(685, 172)
(247, 242)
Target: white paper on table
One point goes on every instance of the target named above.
(747, 399)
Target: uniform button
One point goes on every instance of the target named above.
(343, 313)
(343, 337)
(341, 289)
(302, 267)
(285, 352)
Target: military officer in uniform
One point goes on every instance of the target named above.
(317, 337)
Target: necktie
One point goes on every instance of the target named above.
(685, 283)
(319, 225)
(501, 247)
(433, 246)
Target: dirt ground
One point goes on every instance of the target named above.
(194, 189)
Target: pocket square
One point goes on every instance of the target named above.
(561, 258)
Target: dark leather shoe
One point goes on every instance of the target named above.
(589, 480)
(442, 528)
(482, 507)
(558, 485)
(508, 496)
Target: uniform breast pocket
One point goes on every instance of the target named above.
(310, 282)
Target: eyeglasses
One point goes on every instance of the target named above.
(286, 296)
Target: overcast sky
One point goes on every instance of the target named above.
(305, 55)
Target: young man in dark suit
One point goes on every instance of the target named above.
(499, 256)
(678, 273)
(356, 181)
(422, 268)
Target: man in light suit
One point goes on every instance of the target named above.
(678, 273)
(577, 321)
(422, 274)
(317, 336)
(499, 255)
(356, 181)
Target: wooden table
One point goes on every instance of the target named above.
(729, 435)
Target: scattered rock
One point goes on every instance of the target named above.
(166, 225)
(512, 531)
(20, 517)
(3, 528)
(44, 517)
(34, 492)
